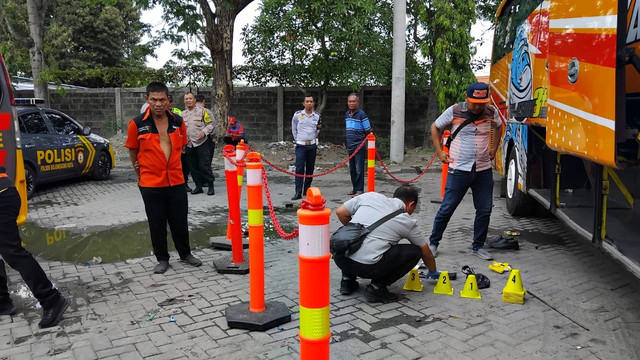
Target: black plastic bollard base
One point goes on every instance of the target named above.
(221, 243)
(239, 317)
(225, 265)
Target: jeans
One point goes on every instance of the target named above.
(17, 257)
(167, 205)
(305, 162)
(458, 183)
(199, 158)
(356, 168)
(393, 265)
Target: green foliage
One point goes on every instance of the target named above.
(319, 43)
(441, 30)
(89, 37)
(487, 9)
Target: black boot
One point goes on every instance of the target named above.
(197, 190)
(211, 190)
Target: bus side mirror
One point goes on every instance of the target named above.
(86, 131)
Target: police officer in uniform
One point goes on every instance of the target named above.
(12, 252)
(305, 126)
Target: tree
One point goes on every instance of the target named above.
(211, 22)
(440, 29)
(319, 43)
(34, 40)
(82, 40)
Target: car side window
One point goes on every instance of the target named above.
(32, 123)
(63, 125)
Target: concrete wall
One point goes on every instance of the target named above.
(265, 113)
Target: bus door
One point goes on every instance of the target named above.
(582, 99)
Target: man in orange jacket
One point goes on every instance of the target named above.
(156, 140)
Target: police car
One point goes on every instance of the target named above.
(55, 147)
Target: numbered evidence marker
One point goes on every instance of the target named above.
(470, 289)
(444, 284)
(413, 281)
(513, 291)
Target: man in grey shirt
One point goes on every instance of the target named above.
(381, 258)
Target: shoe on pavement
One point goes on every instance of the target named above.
(192, 260)
(7, 308)
(348, 286)
(297, 196)
(211, 190)
(434, 249)
(351, 193)
(197, 190)
(381, 295)
(482, 254)
(188, 188)
(162, 267)
(52, 315)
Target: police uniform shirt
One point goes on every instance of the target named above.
(196, 121)
(304, 126)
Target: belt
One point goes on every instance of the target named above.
(307, 142)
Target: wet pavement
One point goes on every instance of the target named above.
(585, 305)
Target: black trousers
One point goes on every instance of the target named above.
(167, 205)
(199, 159)
(394, 264)
(305, 162)
(185, 167)
(17, 257)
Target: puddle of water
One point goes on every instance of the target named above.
(111, 245)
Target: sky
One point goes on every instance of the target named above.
(154, 17)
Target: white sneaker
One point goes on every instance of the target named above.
(434, 250)
(482, 254)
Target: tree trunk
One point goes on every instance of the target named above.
(219, 41)
(36, 10)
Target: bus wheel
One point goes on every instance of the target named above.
(31, 178)
(518, 203)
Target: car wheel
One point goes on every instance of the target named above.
(518, 203)
(31, 178)
(102, 168)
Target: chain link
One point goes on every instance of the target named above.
(272, 213)
(400, 180)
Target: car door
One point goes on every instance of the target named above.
(72, 156)
(38, 144)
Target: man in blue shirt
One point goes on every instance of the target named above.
(358, 127)
(305, 126)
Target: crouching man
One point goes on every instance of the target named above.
(381, 258)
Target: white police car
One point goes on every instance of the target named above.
(55, 147)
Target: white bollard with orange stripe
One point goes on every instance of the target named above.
(314, 258)
(371, 162)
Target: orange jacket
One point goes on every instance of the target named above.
(155, 170)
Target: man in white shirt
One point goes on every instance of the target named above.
(305, 126)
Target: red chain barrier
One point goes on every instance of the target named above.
(272, 212)
(400, 180)
(314, 175)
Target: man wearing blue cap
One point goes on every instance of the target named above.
(472, 145)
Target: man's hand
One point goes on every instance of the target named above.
(444, 157)
(433, 274)
(201, 135)
(492, 153)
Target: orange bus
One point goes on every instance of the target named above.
(565, 76)
(10, 148)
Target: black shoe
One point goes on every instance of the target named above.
(7, 308)
(53, 315)
(211, 190)
(348, 287)
(162, 267)
(187, 187)
(197, 190)
(381, 295)
(192, 260)
(297, 196)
